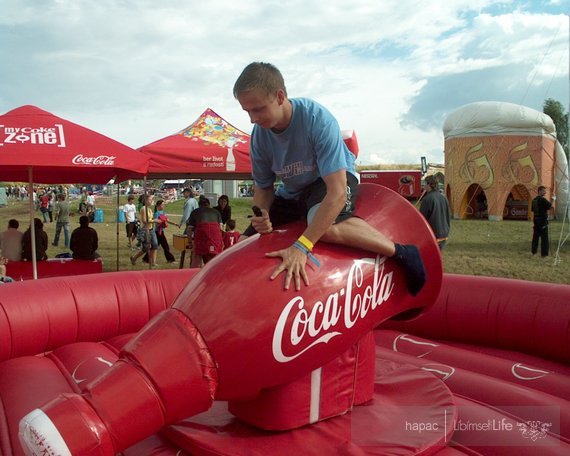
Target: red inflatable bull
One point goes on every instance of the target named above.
(233, 332)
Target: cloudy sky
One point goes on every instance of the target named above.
(393, 70)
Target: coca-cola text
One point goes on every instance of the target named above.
(105, 160)
(318, 323)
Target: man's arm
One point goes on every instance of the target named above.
(186, 213)
(263, 198)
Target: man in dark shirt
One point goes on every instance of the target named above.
(435, 209)
(84, 241)
(41, 242)
(540, 208)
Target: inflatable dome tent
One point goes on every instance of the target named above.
(496, 157)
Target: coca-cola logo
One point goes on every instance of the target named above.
(33, 135)
(103, 160)
(302, 326)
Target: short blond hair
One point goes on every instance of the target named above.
(259, 75)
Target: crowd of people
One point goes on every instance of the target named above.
(210, 230)
(16, 245)
(45, 199)
(53, 204)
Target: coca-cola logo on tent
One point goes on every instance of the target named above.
(33, 135)
(99, 160)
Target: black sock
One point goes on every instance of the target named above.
(410, 259)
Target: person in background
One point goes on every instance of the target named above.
(147, 234)
(35, 199)
(231, 236)
(44, 204)
(83, 201)
(130, 211)
(51, 205)
(41, 242)
(540, 207)
(4, 278)
(62, 214)
(224, 208)
(11, 241)
(90, 206)
(190, 205)
(435, 208)
(300, 142)
(160, 224)
(206, 226)
(84, 241)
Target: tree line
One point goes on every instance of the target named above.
(555, 110)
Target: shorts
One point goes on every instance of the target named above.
(141, 236)
(283, 211)
(131, 228)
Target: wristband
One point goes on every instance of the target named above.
(306, 251)
(306, 243)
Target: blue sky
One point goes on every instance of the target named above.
(392, 70)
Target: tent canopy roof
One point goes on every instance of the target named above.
(209, 148)
(54, 151)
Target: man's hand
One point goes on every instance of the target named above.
(294, 262)
(262, 224)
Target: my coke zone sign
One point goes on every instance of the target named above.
(33, 135)
(53, 136)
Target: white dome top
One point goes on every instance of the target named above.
(493, 117)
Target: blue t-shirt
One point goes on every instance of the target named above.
(310, 147)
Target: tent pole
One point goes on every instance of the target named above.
(32, 224)
(147, 223)
(117, 222)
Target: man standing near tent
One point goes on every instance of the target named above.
(540, 207)
(435, 209)
(300, 142)
(189, 206)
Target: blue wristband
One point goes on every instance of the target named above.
(306, 251)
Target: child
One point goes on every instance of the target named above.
(3, 277)
(231, 236)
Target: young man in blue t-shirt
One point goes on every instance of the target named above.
(300, 142)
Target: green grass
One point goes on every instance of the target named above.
(502, 249)
(479, 247)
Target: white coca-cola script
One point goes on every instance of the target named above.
(104, 160)
(339, 311)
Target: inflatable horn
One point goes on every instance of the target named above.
(233, 332)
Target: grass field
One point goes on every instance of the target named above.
(478, 247)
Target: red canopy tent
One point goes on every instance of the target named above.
(210, 148)
(59, 151)
(36, 145)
